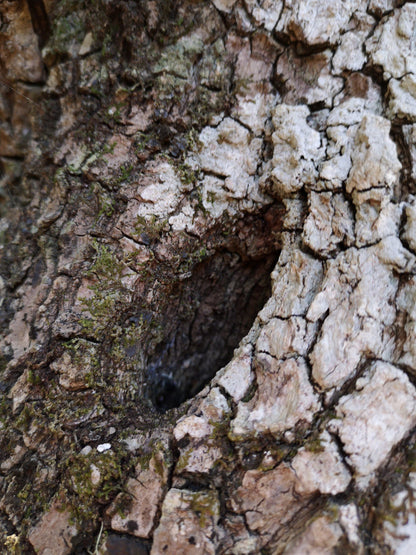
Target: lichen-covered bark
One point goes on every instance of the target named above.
(208, 242)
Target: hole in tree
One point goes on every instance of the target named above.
(213, 310)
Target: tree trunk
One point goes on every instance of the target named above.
(208, 286)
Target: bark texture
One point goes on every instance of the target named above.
(208, 277)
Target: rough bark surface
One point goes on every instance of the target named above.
(208, 277)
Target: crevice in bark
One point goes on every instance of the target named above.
(406, 183)
(392, 478)
(40, 20)
(290, 530)
(348, 386)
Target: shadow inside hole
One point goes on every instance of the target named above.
(206, 319)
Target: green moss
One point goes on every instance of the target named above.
(188, 261)
(108, 290)
(125, 172)
(160, 456)
(186, 173)
(183, 459)
(33, 378)
(211, 197)
(315, 445)
(220, 428)
(94, 479)
(25, 492)
(141, 141)
(197, 195)
(144, 460)
(80, 350)
(122, 504)
(60, 177)
(153, 227)
(205, 506)
(25, 418)
(192, 140)
(113, 113)
(108, 148)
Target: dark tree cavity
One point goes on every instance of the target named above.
(210, 313)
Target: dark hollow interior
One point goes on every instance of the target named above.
(209, 315)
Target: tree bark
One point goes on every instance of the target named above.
(208, 288)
